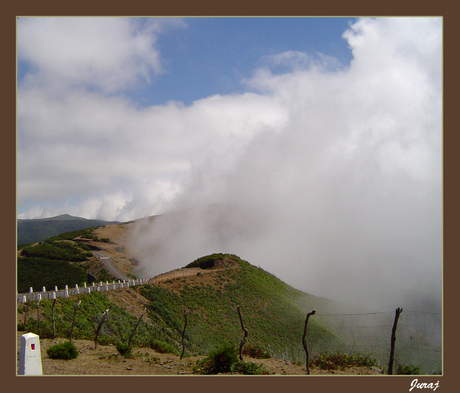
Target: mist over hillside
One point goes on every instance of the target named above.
(342, 197)
(377, 267)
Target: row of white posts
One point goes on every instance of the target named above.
(66, 292)
(30, 362)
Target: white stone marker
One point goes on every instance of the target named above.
(30, 360)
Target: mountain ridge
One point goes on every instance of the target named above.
(39, 229)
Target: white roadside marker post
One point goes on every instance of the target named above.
(30, 361)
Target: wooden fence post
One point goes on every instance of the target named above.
(303, 339)
(52, 317)
(38, 312)
(245, 333)
(183, 334)
(393, 340)
(73, 321)
(138, 322)
(103, 319)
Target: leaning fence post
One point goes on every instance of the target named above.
(393, 340)
(138, 322)
(303, 339)
(39, 297)
(103, 319)
(183, 334)
(245, 331)
(73, 320)
(52, 315)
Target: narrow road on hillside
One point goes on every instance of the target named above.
(109, 265)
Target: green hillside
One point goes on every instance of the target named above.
(37, 230)
(273, 313)
(57, 262)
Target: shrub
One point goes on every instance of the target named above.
(124, 349)
(249, 368)
(339, 360)
(256, 352)
(408, 370)
(162, 347)
(64, 351)
(218, 361)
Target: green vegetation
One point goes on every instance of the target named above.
(65, 351)
(408, 369)
(210, 261)
(255, 352)
(57, 251)
(225, 360)
(118, 327)
(218, 361)
(37, 272)
(52, 263)
(37, 230)
(163, 347)
(249, 368)
(273, 312)
(124, 349)
(341, 361)
(86, 233)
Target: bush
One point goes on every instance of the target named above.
(162, 347)
(339, 360)
(219, 360)
(256, 352)
(124, 349)
(249, 368)
(64, 351)
(224, 360)
(408, 370)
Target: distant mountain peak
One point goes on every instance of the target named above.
(65, 217)
(39, 229)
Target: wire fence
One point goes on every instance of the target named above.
(419, 337)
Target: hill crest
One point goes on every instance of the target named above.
(39, 229)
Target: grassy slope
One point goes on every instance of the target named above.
(58, 261)
(272, 311)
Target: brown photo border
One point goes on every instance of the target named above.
(66, 384)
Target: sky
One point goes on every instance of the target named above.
(318, 139)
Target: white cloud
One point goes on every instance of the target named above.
(105, 53)
(301, 60)
(351, 179)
